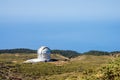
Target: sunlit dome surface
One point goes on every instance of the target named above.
(44, 53)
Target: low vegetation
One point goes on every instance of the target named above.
(82, 67)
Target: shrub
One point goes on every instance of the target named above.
(111, 71)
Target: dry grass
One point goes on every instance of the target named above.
(74, 69)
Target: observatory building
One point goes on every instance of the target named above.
(43, 55)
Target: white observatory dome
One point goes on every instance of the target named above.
(44, 53)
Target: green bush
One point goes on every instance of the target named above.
(110, 71)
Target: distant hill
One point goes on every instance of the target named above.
(97, 53)
(66, 53)
(18, 50)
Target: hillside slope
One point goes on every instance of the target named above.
(78, 68)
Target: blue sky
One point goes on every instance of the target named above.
(79, 25)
